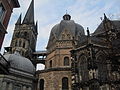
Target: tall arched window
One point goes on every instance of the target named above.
(83, 71)
(102, 72)
(23, 44)
(16, 43)
(41, 84)
(66, 61)
(50, 63)
(2, 12)
(65, 85)
(20, 42)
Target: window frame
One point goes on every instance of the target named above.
(65, 62)
(2, 15)
(50, 63)
(41, 86)
(65, 81)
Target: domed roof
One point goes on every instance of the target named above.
(67, 24)
(21, 63)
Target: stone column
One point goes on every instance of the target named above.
(24, 87)
(4, 84)
(10, 86)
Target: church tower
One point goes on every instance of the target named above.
(25, 34)
(57, 72)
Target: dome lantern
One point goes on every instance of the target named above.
(66, 17)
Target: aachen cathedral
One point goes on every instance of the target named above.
(73, 60)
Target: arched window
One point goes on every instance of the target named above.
(25, 35)
(66, 61)
(16, 43)
(102, 72)
(20, 42)
(23, 44)
(50, 63)
(2, 12)
(83, 70)
(41, 84)
(65, 83)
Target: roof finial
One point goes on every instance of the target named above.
(105, 17)
(29, 17)
(66, 11)
(88, 32)
(66, 16)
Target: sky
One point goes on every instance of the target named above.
(50, 12)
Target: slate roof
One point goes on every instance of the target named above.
(100, 29)
(20, 63)
(69, 25)
(29, 17)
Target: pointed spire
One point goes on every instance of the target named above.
(19, 20)
(36, 27)
(88, 36)
(88, 32)
(105, 16)
(29, 17)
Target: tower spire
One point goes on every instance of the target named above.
(105, 17)
(36, 27)
(29, 17)
(19, 20)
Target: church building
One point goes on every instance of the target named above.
(57, 72)
(73, 60)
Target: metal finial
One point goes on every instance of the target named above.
(66, 11)
(88, 32)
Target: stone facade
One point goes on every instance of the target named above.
(57, 72)
(25, 34)
(8, 82)
(73, 60)
(95, 62)
(53, 79)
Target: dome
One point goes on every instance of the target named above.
(67, 24)
(20, 63)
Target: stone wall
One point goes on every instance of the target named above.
(53, 79)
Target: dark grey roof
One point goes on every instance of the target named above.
(116, 24)
(29, 17)
(20, 63)
(19, 20)
(73, 28)
(100, 29)
(69, 25)
(82, 41)
(93, 39)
